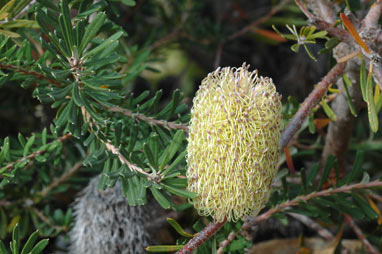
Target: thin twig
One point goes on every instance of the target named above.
(323, 232)
(29, 72)
(201, 237)
(36, 153)
(25, 10)
(338, 32)
(60, 180)
(47, 221)
(259, 21)
(372, 17)
(360, 235)
(311, 101)
(254, 220)
(150, 120)
(131, 166)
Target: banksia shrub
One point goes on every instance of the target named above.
(233, 143)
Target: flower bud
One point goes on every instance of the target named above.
(233, 143)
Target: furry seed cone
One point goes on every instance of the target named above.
(233, 143)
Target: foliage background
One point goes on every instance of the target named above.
(66, 117)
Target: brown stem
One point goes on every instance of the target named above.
(294, 202)
(28, 72)
(261, 20)
(339, 132)
(311, 101)
(360, 235)
(201, 237)
(372, 17)
(338, 32)
(60, 180)
(34, 154)
(150, 120)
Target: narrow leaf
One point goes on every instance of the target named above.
(178, 228)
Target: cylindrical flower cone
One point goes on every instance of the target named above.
(233, 143)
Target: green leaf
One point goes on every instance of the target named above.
(171, 150)
(3, 250)
(329, 112)
(363, 80)
(91, 30)
(311, 125)
(28, 145)
(330, 161)
(178, 228)
(104, 44)
(134, 190)
(356, 171)
(371, 110)
(164, 248)
(66, 24)
(30, 242)
(348, 83)
(162, 200)
(16, 239)
(175, 163)
(364, 206)
(5, 151)
(179, 192)
(40, 246)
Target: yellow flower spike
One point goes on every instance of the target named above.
(233, 143)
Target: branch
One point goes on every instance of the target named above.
(201, 237)
(60, 180)
(34, 154)
(360, 235)
(252, 221)
(131, 166)
(338, 32)
(150, 120)
(28, 72)
(47, 221)
(323, 232)
(311, 101)
(372, 17)
(259, 21)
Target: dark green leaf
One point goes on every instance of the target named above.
(30, 242)
(162, 200)
(178, 228)
(40, 246)
(330, 161)
(92, 30)
(179, 192)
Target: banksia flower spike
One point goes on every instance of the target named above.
(233, 143)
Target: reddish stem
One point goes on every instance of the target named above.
(311, 101)
(201, 237)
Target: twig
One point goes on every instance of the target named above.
(372, 17)
(360, 235)
(132, 166)
(34, 154)
(311, 101)
(47, 221)
(150, 120)
(201, 237)
(257, 22)
(28, 72)
(60, 180)
(340, 33)
(252, 221)
(323, 232)
(25, 10)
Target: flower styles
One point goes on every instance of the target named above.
(233, 143)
